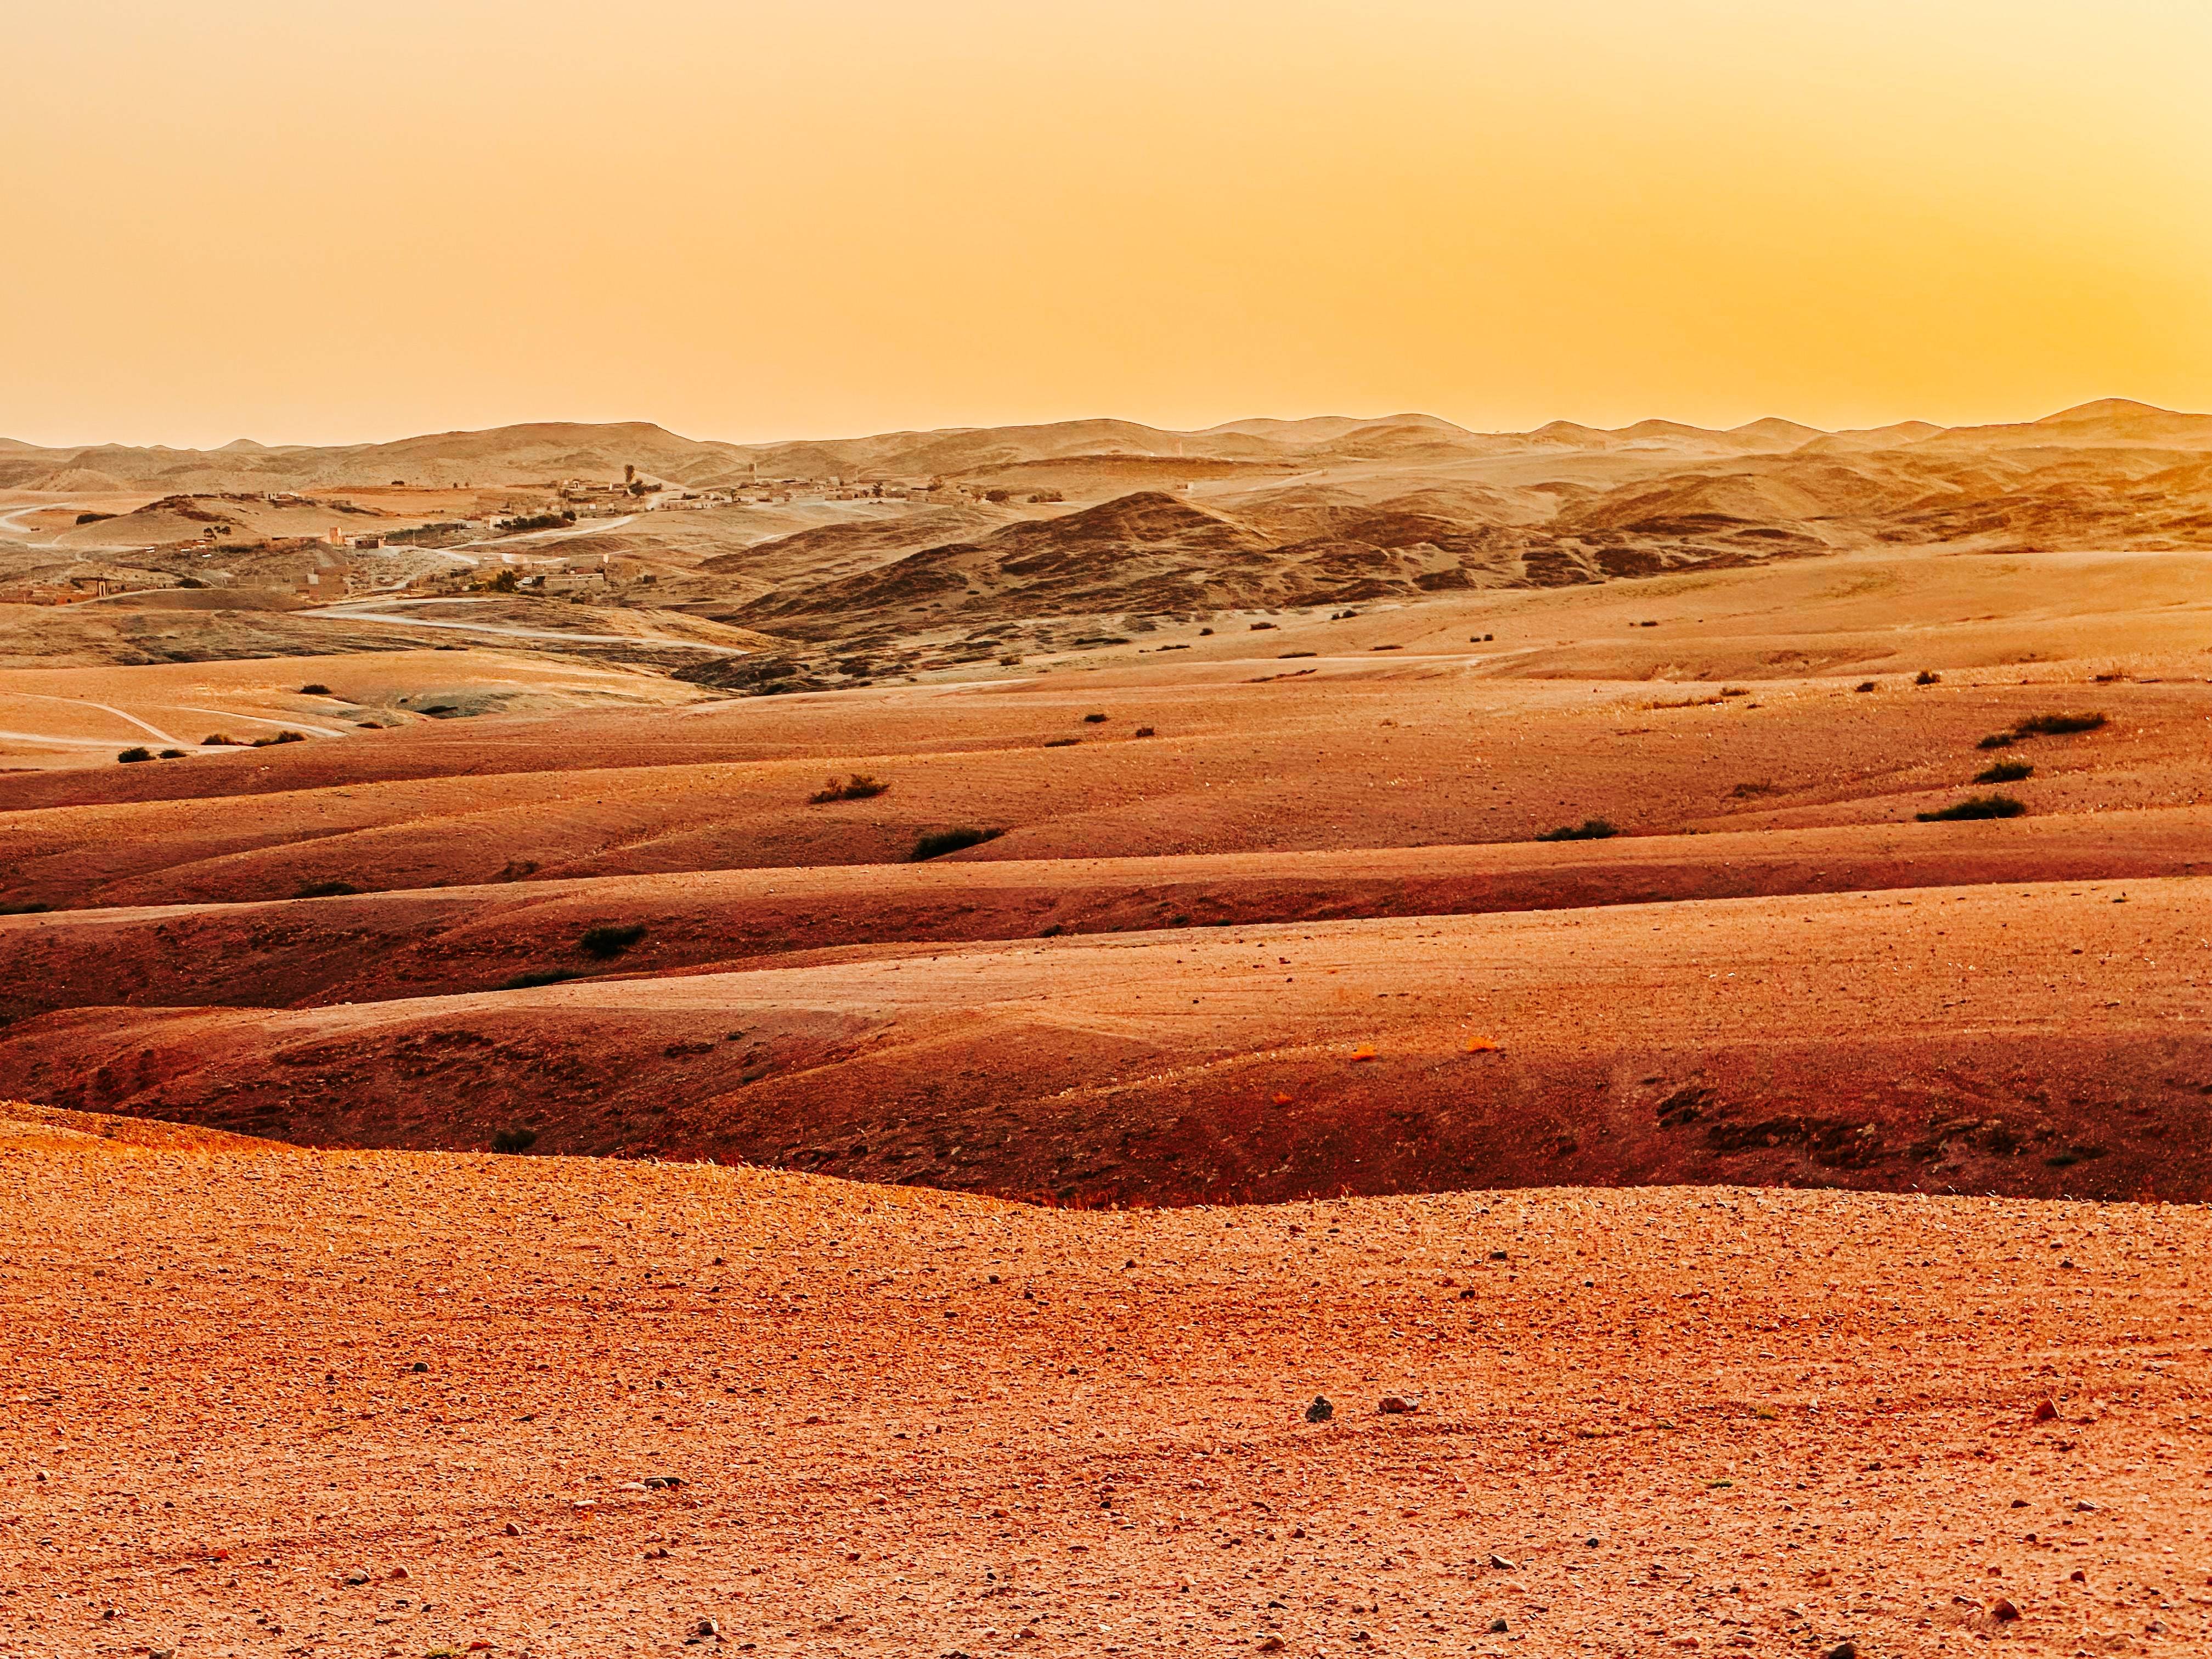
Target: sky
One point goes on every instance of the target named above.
(300, 220)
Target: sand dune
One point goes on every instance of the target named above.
(2041, 1039)
(1266, 1055)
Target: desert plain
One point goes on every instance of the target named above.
(1328, 1037)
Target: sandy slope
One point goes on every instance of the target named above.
(2042, 1039)
(1347, 756)
(68, 714)
(430, 941)
(347, 1404)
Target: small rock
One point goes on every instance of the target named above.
(1498, 1627)
(2083, 1506)
(2044, 1411)
(1393, 1405)
(512, 1530)
(1845, 1650)
(1321, 1411)
(1271, 1645)
(401, 1574)
(1501, 1564)
(2003, 1611)
(421, 1365)
(2078, 1577)
(705, 1627)
(358, 1575)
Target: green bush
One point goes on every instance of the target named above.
(858, 787)
(2058, 725)
(2004, 771)
(938, 842)
(609, 941)
(541, 977)
(1587, 829)
(1975, 806)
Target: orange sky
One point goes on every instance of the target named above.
(319, 222)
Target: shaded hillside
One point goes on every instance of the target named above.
(1147, 552)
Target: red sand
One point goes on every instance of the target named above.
(907, 1423)
(2045, 1039)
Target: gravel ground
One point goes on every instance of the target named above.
(260, 1401)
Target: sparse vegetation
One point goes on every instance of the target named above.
(1061, 743)
(2058, 725)
(1975, 806)
(2009, 771)
(609, 941)
(132, 756)
(514, 1140)
(1864, 685)
(858, 787)
(315, 689)
(1761, 786)
(326, 890)
(282, 736)
(1142, 731)
(172, 754)
(221, 739)
(540, 976)
(938, 842)
(1587, 829)
(1997, 740)
(1925, 677)
(1094, 720)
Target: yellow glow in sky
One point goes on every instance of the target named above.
(307, 222)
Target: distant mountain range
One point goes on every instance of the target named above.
(1104, 518)
(537, 453)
